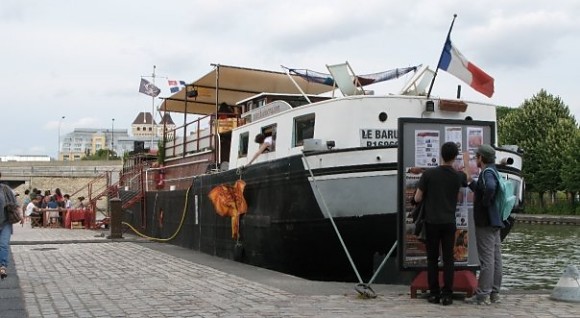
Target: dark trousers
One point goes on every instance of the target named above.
(440, 235)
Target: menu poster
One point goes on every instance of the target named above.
(460, 248)
(454, 134)
(427, 148)
(474, 140)
(415, 251)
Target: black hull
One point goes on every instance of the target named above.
(283, 230)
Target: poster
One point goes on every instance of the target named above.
(427, 144)
(454, 134)
(416, 253)
(474, 140)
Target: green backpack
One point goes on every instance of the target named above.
(505, 199)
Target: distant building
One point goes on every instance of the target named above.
(145, 126)
(21, 158)
(82, 142)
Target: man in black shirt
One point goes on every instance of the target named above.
(439, 188)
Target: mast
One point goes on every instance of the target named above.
(153, 110)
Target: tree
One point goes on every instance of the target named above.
(501, 113)
(545, 129)
(571, 169)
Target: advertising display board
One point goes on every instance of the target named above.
(420, 141)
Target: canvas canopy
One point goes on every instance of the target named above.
(233, 85)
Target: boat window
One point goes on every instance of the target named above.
(243, 148)
(270, 131)
(303, 129)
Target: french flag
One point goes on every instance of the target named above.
(457, 65)
(175, 86)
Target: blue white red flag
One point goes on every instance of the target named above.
(175, 86)
(457, 65)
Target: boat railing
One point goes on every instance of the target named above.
(189, 138)
(197, 136)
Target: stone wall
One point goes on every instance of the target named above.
(68, 185)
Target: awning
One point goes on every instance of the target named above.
(236, 84)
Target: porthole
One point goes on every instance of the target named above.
(383, 116)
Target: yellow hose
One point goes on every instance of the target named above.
(157, 239)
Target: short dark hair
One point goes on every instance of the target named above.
(260, 138)
(449, 151)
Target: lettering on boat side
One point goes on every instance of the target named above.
(378, 137)
(268, 110)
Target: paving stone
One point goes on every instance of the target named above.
(72, 273)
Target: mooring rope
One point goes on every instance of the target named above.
(327, 212)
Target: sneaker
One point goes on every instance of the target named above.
(434, 299)
(446, 300)
(494, 298)
(478, 300)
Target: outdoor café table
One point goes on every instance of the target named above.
(76, 215)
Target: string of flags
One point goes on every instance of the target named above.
(150, 89)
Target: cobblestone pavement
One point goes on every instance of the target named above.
(74, 273)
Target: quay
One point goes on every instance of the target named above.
(547, 219)
(81, 273)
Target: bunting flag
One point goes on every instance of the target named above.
(457, 65)
(326, 79)
(148, 88)
(175, 86)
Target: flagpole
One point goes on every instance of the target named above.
(441, 56)
(153, 112)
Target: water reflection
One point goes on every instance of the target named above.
(535, 256)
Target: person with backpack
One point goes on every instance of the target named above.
(488, 223)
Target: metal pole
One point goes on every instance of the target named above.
(441, 56)
(153, 112)
(112, 137)
(217, 92)
(58, 148)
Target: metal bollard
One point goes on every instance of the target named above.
(116, 231)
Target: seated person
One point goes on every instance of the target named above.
(266, 143)
(32, 209)
(52, 204)
(80, 204)
(67, 202)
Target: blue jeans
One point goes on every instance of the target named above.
(5, 232)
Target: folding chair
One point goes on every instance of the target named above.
(345, 79)
(419, 83)
(35, 221)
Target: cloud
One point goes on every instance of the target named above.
(524, 40)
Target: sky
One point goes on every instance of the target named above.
(84, 59)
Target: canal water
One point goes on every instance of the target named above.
(535, 256)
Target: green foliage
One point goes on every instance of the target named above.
(161, 152)
(102, 154)
(545, 129)
(560, 205)
(502, 114)
(571, 166)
